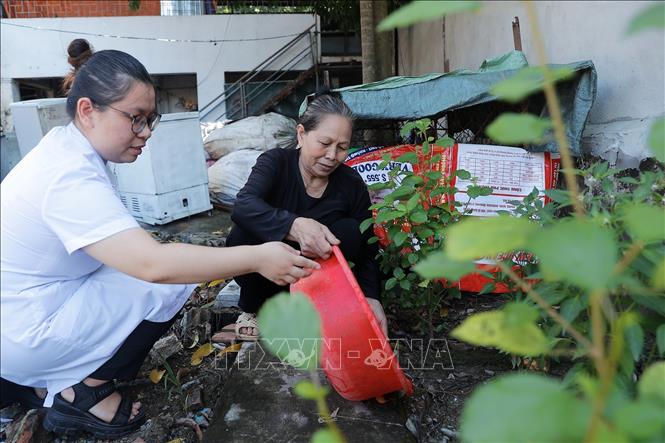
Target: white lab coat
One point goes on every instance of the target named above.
(62, 313)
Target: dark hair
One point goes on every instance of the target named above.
(104, 77)
(322, 104)
(78, 52)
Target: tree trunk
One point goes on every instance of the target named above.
(377, 48)
(368, 45)
(377, 56)
(384, 48)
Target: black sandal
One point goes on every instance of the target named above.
(11, 392)
(70, 418)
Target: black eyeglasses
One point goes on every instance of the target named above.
(139, 122)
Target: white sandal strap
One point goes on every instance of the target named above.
(246, 320)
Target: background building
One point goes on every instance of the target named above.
(192, 57)
(631, 69)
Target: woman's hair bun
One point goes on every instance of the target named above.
(78, 51)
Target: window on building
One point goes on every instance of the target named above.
(176, 93)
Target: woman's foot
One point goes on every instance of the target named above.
(246, 327)
(94, 406)
(29, 397)
(107, 407)
(41, 393)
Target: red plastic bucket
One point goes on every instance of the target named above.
(356, 356)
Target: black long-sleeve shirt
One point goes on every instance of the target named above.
(275, 195)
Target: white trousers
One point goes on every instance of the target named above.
(56, 335)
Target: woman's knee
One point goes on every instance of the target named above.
(347, 231)
(239, 236)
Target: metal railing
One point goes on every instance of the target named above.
(276, 73)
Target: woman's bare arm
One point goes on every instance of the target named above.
(136, 253)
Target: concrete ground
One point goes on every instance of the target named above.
(208, 228)
(258, 403)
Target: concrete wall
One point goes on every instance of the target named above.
(420, 48)
(631, 70)
(30, 53)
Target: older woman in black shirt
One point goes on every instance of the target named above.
(309, 198)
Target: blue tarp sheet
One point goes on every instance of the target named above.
(410, 98)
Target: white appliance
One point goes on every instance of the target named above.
(169, 180)
(34, 118)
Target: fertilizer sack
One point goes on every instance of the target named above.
(511, 172)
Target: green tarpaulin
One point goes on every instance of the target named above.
(410, 98)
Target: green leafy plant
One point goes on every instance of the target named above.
(291, 330)
(621, 204)
(414, 220)
(595, 292)
(134, 5)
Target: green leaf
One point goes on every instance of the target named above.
(475, 191)
(635, 339)
(291, 329)
(652, 383)
(629, 180)
(418, 216)
(487, 289)
(463, 174)
(400, 237)
(660, 339)
(379, 186)
(421, 11)
(652, 17)
(438, 265)
(424, 233)
(391, 283)
(325, 435)
(641, 420)
(410, 157)
(444, 142)
(658, 275)
(366, 224)
(571, 308)
(607, 434)
(405, 284)
(626, 370)
(644, 222)
(655, 303)
(434, 175)
(402, 191)
(551, 292)
(511, 128)
(407, 128)
(413, 202)
(523, 408)
(656, 140)
(527, 81)
(518, 313)
(423, 123)
(559, 195)
(495, 329)
(384, 216)
(577, 251)
(412, 180)
(307, 389)
(479, 237)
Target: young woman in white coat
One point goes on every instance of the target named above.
(85, 292)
